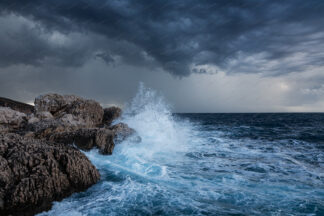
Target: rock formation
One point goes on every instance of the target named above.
(87, 139)
(11, 119)
(122, 131)
(16, 105)
(39, 157)
(70, 109)
(33, 173)
(110, 114)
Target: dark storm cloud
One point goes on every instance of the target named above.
(23, 41)
(270, 37)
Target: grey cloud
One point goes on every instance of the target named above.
(26, 42)
(263, 55)
(178, 35)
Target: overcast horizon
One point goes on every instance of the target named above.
(202, 56)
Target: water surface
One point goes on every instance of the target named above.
(207, 164)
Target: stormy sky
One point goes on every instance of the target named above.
(202, 55)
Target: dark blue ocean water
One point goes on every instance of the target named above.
(208, 164)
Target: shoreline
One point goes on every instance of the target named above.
(40, 145)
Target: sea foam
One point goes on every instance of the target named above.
(205, 164)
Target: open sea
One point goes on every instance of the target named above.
(207, 164)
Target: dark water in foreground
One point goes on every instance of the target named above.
(208, 164)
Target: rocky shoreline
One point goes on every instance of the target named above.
(40, 157)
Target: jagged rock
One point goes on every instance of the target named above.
(45, 128)
(122, 131)
(87, 139)
(32, 119)
(71, 120)
(43, 165)
(105, 141)
(53, 102)
(3, 128)
(88, 111)
(16, 105)
(11, 119)
(44, 115)
(110, 114)
(58, 113)
(71, 108)
(33, 173)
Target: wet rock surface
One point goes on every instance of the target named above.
(87, 139)
(110, 114)
(122, 131)
(33, 173)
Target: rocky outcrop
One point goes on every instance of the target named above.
(11, 119)
(44, 115)
(70, 109)
(15, 105)
(87, 139)
(33, 173)
(44, 129)
(110, 114)
(121, 131)
(40, 160)
(63, 113)
(53, 102)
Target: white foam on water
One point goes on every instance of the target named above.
(180, 168)
(163, 140)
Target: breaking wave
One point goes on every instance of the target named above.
(194, 165)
